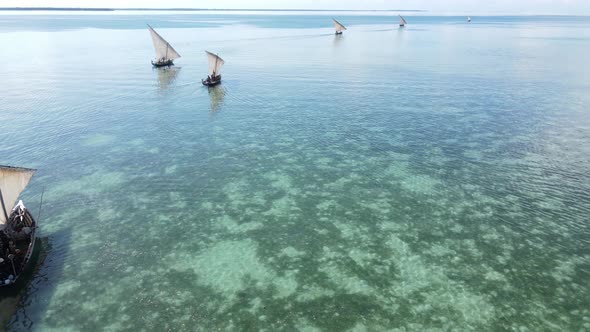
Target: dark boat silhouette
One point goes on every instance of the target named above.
(17, 225)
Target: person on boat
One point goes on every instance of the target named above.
(11, 247)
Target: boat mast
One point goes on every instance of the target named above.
(3, 206)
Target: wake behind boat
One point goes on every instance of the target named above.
(165, 53)
(215, 64)
(17, 229)
(402, 21)
(339, 27)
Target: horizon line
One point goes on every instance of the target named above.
(208, 9)
(433, 13)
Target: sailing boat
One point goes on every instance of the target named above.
(165, 53)
(339, 27)
(402, 21)
(17, 226)
(469, 19)
(215, 64)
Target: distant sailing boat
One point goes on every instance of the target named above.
(215, 64)
(469, 19)
(402, 21)
(165, 54)
(339, 27)
(17, 226)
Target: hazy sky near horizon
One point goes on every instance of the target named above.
(571, 7)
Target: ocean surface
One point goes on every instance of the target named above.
(430, 178)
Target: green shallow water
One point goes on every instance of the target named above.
(431, 178)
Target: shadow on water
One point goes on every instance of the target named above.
(217, 96)
(35, 288)
(167, 76)
(10, 297)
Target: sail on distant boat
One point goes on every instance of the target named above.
(468, 18)
(215, 64)
(339, 27)
(17, 226)
(402, 21)
(165, 53)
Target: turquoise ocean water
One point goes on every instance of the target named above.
(435, 177)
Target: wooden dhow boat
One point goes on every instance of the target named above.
(339, 27)
(17, 225)
(402, 21)
(215, 64)
(165, 53)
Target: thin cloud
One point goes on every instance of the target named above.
(566, 7)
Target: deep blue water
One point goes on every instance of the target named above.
(427, 178)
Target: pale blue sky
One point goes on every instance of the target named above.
(571, 7)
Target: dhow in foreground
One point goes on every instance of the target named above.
(17, 225)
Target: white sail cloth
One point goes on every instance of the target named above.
(215, 63)
(163, 49)
(339, 27)
(13, 181)
(402, 21)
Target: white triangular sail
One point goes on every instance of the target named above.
(164, 51)
(215, 63)
(338, 26)
(468, 18)
(13, 181)
(402, 21)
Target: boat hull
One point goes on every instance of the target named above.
(338, 32)
(16, 258)
(212, 82)
(165, 63)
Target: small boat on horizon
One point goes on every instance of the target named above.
(402, 21)
(468, 19)
(339, 27)
(215, 64)
(165, 53)
(17, 225)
